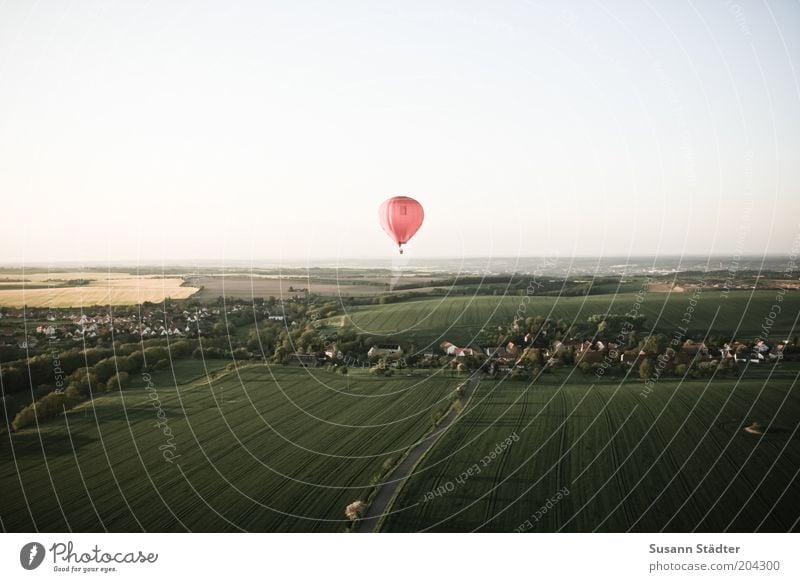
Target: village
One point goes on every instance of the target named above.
(589, 356)
(29, 329)
(524, 355)
(285, 332)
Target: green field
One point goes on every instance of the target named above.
(677, 460)
(428, 322)
(286, 451)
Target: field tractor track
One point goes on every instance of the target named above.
(503, 461)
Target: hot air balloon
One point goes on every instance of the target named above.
(401, 218)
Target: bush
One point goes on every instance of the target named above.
(118, 382)
(162, 364)
(381, 371)
(355, 510)
(105, 369)
(25, 417)
(645, 369)
(155, 353)
(181, 349)
(727, 367)
(209, 353)
(42, 391)
(84, 381)
(73, 395)
(47, 407)
(136, 360)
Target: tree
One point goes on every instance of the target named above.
(645, 369)
(84, 380)
(48, 407)
(155, 353)
(118, 382)
(73, 395)
(355, 510)
(105, 369)
(281, 355)
(654, 344)
(25, 417)
(181, 349)
(727, 367)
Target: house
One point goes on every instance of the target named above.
(778, 355)
(690, 350)
(385, 351)
(448, 348)
(453, 350)
(499, 352)
(636, 361)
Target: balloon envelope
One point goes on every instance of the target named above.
(401, 218)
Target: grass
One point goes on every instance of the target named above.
(678, 460)
(286, 449)
(260, 449)
(428, 322)
(249, 286)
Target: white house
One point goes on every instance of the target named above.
(385, 351)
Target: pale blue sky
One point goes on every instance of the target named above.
(219, 130)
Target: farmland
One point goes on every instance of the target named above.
(427, 322)
(250, 286)
(61, 289)
(259, 445)
(678, 460)
(261, 449)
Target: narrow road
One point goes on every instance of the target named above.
(397, 478)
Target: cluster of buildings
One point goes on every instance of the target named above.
(604, 353)
(80, 326)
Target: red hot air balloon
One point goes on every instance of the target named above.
(401, 218)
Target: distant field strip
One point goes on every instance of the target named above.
(248, 287)
(116, 290)
(459, 319)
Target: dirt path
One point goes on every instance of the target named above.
(398, 477)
